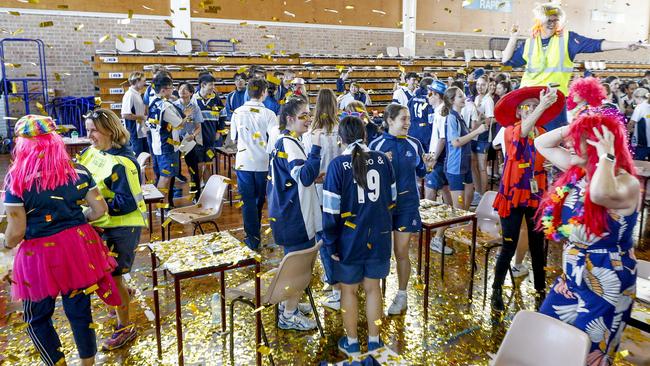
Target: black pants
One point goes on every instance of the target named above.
(510, 226)
(192, 161)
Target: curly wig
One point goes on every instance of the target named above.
(588, 89)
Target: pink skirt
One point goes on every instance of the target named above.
(75, 259)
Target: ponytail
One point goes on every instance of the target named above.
(290, 108)
(448, 100)
(351, 130)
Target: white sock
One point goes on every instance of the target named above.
(352, 341)
(287, 313)
(336, 293)
(401, 293)
(373, 339)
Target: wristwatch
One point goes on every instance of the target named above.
(609, 157)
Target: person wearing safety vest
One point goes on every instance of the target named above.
(547, 56)
(113, 166)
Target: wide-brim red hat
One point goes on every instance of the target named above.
(505, 112)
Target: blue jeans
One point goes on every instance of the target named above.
(252, 188)
(38, 316)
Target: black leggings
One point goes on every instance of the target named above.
(511, 226)
(192, 161)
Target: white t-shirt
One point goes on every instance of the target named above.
(274, 133)
(250, 124)
(330, 149)
(437, 128)
(469, 114)
(132, 101)
(400, 95)
(485, 105)
(345, 100)
(642, 111)
(499, 140)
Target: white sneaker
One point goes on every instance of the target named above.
(476, 199)
(332, 301)
(519, 270)
(436, 246)
(297, 321)
(399, 305)
(303, 307)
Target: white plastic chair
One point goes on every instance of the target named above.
(183, 46)
(207, 209)
(450, 53)
(487, 54)
(498, 54)
(469, 54)
(478, 54)
(404, 52)
(392, 51)
(290, 279)
(127, 46)
(536, 339)
(142, 161)
(145, 45)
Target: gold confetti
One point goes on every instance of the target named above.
(93, 325)
(331, 10)
(401, 228)
(350, 224)
(49, 244)
(120, 38)
(259, 309)
(129, 14)
(49, 23)
(82, 185)
(14, 13)
(91, 289)
(57, 198)
(167, 222)
(282, 155)
(239, 204)
(477, 30)
(169, 23)
(349, 7)
(378, 322)
(289, 14)
(267, 231)
(264, 350)
(380, 12)
(104, 38)
(346, 214)
(48, 218)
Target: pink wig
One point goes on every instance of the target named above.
(594, 216)
(41, 162)
(588, 89)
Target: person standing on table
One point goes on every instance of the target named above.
(117, 173)
(547, 56)
(294, 209)
(358, 194)
(191, 132)
(212, 126)
(250, 124)
(165, 123)
(59, 253)
(592, 208)
(134, 113)
(408, 161)
(522, 113)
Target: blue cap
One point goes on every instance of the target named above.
(438, 87)
(478, 73)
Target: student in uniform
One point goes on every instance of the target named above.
(59, 253)
(459, 153)
(193, 118)
(402, 95)
(357, 109)
(235, 98)
(285, 85)
(134, 113)
(408, 160)
(639, 125)
(213, 125)
(358, 194)
(250, 124)
(270, 102)
(165, 124)
(420, 109)
(294, 209)
(117, 173)
(148, 96)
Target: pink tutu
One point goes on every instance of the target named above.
(75, 259)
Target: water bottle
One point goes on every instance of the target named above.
(215, 306)
(74, 135)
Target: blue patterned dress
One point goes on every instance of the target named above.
(596, 291)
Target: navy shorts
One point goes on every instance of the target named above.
(122, 241)
(168, 164)
(641, 152)
(297, 247)
(480, 147)
(407, 221)
(436, 179)
(351, 274)
(457, 181)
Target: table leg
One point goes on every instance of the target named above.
(156, 303)
(420, 253)
(150, 221)
(179, 324)
(427, 265)
(216, 159)
(162, 221)
(258, 315)
(230, 176)
(472, 258)
(223, 301)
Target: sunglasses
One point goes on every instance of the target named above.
(93, 115)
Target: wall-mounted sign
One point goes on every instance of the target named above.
(503, 6)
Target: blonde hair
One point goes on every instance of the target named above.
(325, 114)
(641, 93)
(356, 106)
(135, 77)
(107, 120)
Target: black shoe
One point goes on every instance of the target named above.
(497, 300)
(540, 296)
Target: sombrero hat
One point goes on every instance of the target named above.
(505, 112)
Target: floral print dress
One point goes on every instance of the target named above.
(596, 291)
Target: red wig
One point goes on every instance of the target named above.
(594, 216)
(588, 89)
(39, 162)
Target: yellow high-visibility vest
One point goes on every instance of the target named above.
(100, 165)
(550, 65)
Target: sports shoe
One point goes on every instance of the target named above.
(399, 305)
(120, 337)
(303, 307)
(476, 199)
(375, 345)
(297, 321)
(332, 301)
(351, 350)
(519, 270)
(436, 246)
